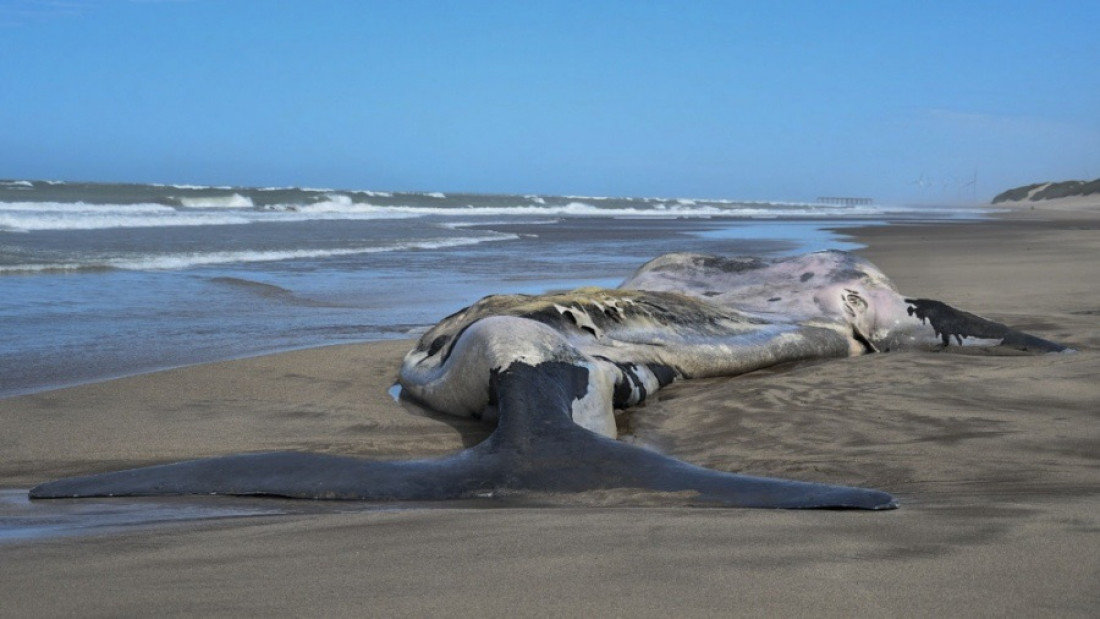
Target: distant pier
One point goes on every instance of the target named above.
(845, 201)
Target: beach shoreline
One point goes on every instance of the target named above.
(117, 318)
(993, 458)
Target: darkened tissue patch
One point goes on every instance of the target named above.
(807, 276)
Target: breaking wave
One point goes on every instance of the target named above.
(233, 201)
(32, 216)
(27, 206)
(182, 260)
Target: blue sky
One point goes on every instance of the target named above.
(783, 100)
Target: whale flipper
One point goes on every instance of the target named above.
(951, 323)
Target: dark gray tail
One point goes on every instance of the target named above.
(290, 474)
(535, 448)
(552, 454)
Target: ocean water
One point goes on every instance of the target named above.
(106, 280)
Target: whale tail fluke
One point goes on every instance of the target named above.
(536, 448)
(545, 451)
(288, 474)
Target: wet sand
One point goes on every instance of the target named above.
(996, 461)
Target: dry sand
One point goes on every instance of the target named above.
(995, 460)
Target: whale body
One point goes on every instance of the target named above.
(550, 370)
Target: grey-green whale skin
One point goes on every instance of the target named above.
(535, 448)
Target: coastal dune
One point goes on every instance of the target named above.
(995, 460)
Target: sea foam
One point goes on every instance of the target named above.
(185, 260)
(232, 201)
(32, 216)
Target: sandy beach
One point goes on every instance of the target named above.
(996, 461)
